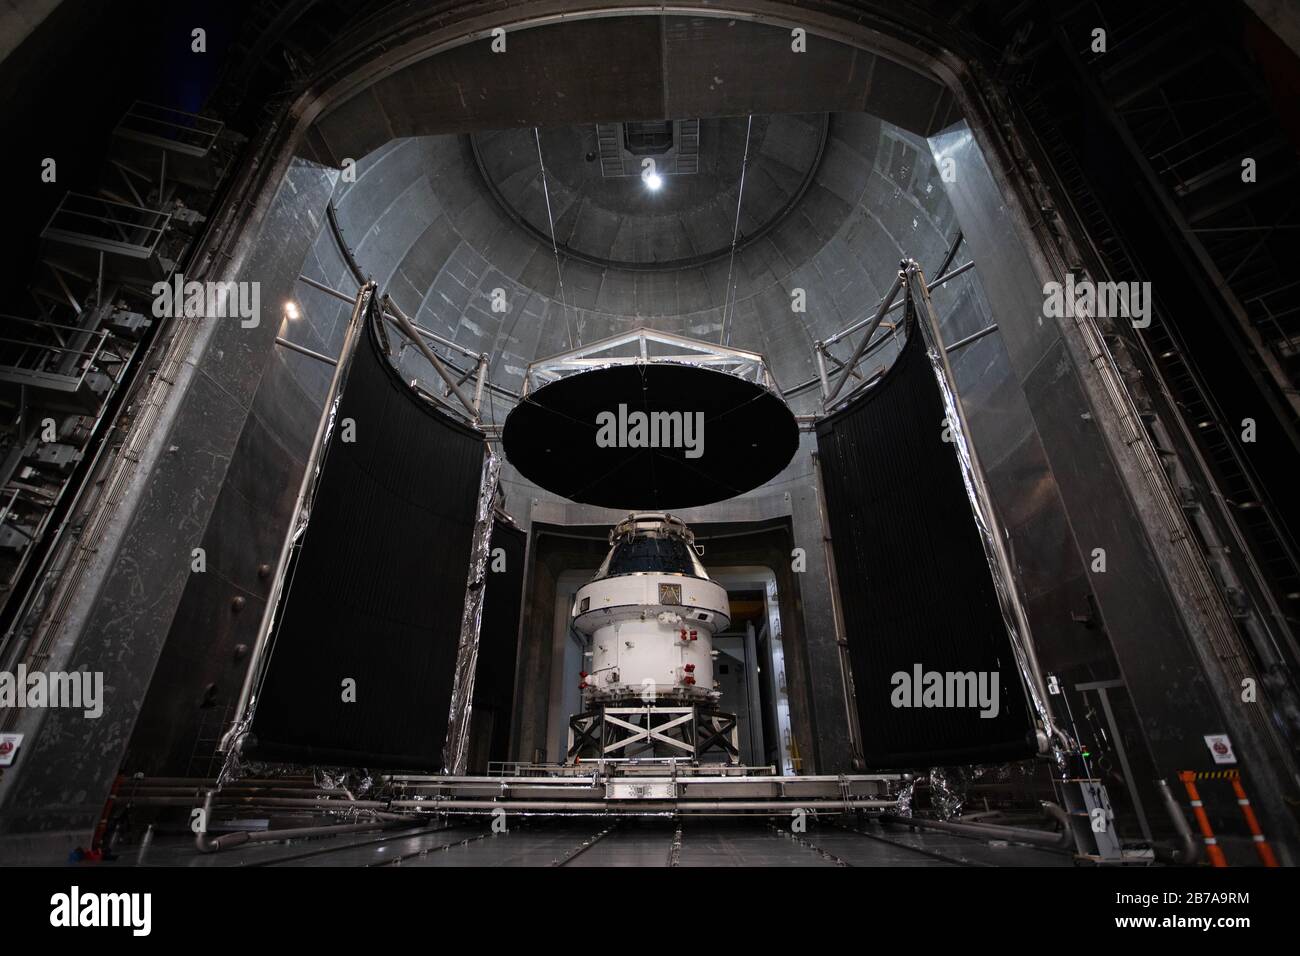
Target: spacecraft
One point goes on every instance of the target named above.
(651, 612)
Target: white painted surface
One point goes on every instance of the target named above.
(646, 648)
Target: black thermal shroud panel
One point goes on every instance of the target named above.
(914, 583)
(498, 645)
(377, 589)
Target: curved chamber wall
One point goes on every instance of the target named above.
(915, 588)
(377, 588)
(421, 219)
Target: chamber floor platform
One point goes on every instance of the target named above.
(668, 842)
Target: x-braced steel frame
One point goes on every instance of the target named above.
(649, 346)
(626, 732)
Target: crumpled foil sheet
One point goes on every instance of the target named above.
(947, 791)
(359, 783)
(905, 794)
(1013, 612)
(455, 751)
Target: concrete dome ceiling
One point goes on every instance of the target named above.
(614, 220)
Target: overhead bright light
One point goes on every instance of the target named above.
(654, 181)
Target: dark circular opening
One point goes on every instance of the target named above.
(592, 437)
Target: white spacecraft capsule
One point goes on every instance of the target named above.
(651, 612)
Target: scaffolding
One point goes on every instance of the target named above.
(67, 359)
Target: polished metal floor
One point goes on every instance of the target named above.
(592, 843)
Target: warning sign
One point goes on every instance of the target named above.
(9, 748)
(1220, 748)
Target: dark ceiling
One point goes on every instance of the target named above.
(629, 68)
